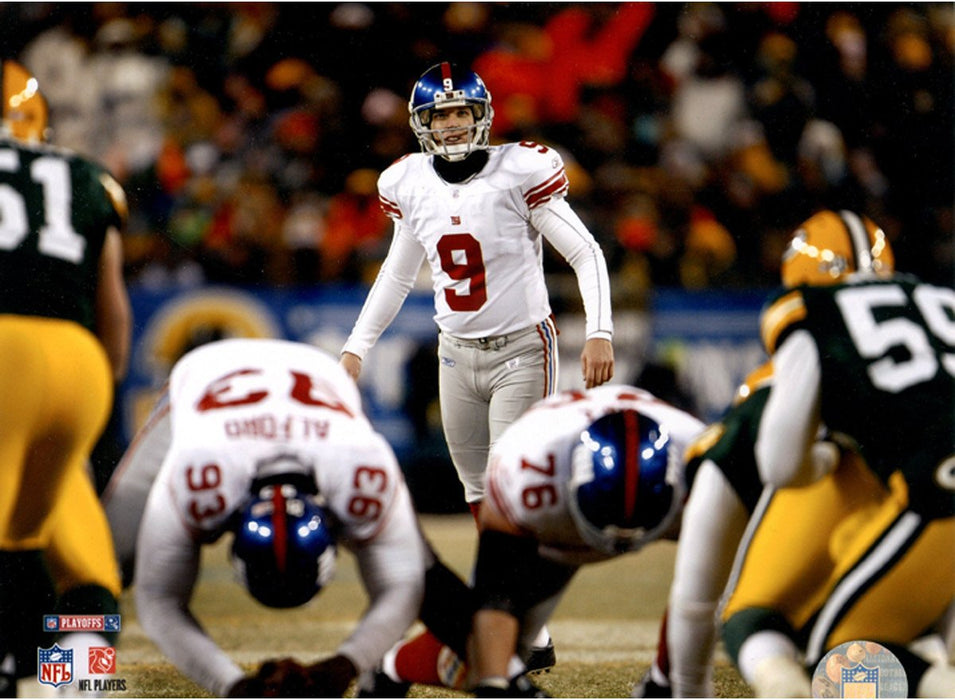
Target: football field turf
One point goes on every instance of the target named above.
(605, 628)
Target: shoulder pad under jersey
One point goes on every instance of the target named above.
(779, 316)
(539, 169)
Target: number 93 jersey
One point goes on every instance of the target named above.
(530, 466)
(887, 359)
(237, 405)
(485, 256)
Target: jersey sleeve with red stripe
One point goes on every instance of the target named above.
(390, 179)
(538, 169)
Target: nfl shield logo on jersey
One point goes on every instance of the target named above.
(55, 666)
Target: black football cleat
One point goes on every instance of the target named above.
(646, 687)
(378, 684)
(541, 658)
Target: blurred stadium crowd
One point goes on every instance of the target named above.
(249, 136)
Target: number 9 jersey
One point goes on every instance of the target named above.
(886, 350)
(483, 242)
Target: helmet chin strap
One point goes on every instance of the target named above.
(435, 143)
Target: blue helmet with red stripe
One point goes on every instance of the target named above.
(443, 86)
(284, 551)
(623, 492)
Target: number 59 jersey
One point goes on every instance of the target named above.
(887, 359)
(529, 470)
(241, 407)
(485, 256)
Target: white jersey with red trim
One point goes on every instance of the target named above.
(238, 403)
(484, 252)
(530, 466)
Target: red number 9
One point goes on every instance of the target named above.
(472, 270)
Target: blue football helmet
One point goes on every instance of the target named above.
(624, 489)
(446, 85)
(284, 550)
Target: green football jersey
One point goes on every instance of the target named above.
(887, 357)
(55, 210)
(729, 442)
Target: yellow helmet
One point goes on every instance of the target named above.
(830, 246)
(24, 110)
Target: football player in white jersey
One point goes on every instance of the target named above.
(478, 214)
(266, 439)
(602, 476)
(581, 477)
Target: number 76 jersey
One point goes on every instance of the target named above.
(529, 470)
(239, 405)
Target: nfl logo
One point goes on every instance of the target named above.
(51, 623)
(102, 660)
(860, 681)
(54, 666)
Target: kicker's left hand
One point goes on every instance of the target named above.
(596, 362)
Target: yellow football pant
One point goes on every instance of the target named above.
(788, 558)
(843, 559)
(81, 550)
(55, 396)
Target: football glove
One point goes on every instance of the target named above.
(330, 677)
(280, 678)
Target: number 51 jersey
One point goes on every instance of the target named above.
(238, 404)
(485, 256)
(55, 210)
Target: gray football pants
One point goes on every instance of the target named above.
(484, 386)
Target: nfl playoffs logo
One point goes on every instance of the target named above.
(55, 666)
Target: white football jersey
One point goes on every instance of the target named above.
(237, 404)
(485, 257)
(530, 466)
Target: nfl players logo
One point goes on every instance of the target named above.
(860, 681)
(54, 666)
(102, 660)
